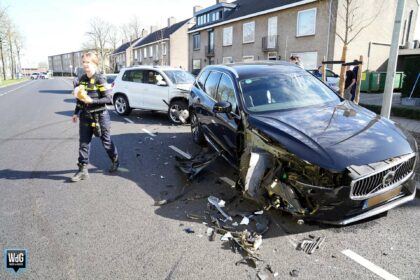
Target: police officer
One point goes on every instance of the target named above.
(92, 96)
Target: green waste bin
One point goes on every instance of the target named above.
(364, 84)
(374, 84)
(398, 81)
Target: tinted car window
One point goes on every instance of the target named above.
(137, 76)
(203, 78)
(110, 78)
(285, 91)
(211, 84)
(330, 73)
(226, 91)
(127, 76)
(152, 77)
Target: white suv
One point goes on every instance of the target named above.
(156, 88)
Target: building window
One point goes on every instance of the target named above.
(248, 58)
(196, 64)
(196, 41)
(135, 54)
(227, 36)
(309, 60)
(227, 59)
(164, 50)
(145, 52)
(248, 34)
(272, 56)
(151, 51)
(306, 22)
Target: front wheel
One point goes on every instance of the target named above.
(196, 131)
(121, 105)
(178, 109)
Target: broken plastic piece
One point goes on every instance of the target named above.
(226, 237)
(235, 224)
(215, 202)
(310, 245)
(188, 230)
(245, 221)
(197, 163)
(259, 212)
(222, 203)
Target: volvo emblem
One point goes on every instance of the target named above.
(388, 178)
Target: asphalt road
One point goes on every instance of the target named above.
(108, 227)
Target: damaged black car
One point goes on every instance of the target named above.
(298, 146)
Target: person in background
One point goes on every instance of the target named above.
(353, 88)
(296, 60)
(348, 85)
(92, 96)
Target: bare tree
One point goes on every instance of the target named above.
(352, 14)
(3, 18)
(131, 30)
(114, 37)
(99, 37)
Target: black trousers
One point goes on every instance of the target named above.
(86, 133)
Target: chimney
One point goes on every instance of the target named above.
(196, 9)
(153, 28)
(220, 1)
(144, 32)
(171, 21)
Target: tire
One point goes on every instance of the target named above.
(121, 105)
(196, 131)
(174, 108)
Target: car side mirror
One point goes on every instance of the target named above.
(336, 76)
(162, 83)
(222, 107)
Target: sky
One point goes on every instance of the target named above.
(51, 27)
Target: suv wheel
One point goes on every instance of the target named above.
(121, 105)
(197, 133)
(175, 109)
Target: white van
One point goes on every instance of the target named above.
(156, 88)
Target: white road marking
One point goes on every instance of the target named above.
(228, 181)
(369, 265)
(148, 132)
(128, 120)
(4, 93)
(184, 154)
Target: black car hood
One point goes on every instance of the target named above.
(334, 136)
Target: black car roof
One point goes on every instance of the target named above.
(252, 69)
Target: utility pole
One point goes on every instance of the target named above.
(2, 59)
(392, 61)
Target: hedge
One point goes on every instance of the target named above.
(403, 112)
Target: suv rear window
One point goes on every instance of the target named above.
(127, 76)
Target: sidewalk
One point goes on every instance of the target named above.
(376, 99)
(409, 124)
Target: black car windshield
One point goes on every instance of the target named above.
(180, 77)
(276, 91)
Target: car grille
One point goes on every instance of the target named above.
(382, 177)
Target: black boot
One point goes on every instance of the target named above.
(115, 165)
(81, 174)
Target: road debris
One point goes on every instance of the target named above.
(189, 230)
(197, 163)
(215, 202)
(309, 245)
(294, 273)
(226, 237)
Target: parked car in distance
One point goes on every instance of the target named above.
(110, 78)
(44, 75)
(332, 80)
(300, 147)
(34, 76)
(157, 88)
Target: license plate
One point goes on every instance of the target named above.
(383, 197)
